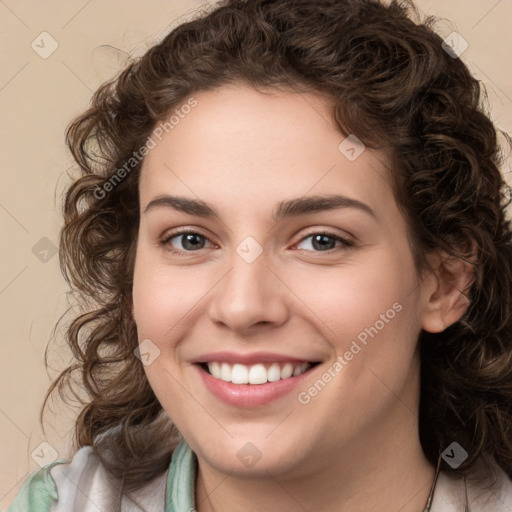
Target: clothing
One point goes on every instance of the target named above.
(79, 484)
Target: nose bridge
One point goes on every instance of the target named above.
(249, 293)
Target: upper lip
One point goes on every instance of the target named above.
(252, 358)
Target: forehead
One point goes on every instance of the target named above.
(238, 144)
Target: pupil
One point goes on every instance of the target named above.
(323, 241)
(189, 238)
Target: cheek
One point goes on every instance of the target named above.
(164, 296)
(348, 299)
(370, 319)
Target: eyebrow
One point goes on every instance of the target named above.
(288, 208)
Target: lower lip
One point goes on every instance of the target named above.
(251, 395)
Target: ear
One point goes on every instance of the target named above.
(446, 289)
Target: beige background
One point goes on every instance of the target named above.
(38, 97)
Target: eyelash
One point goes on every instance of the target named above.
(345, 244)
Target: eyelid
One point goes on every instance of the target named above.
(166, 238)
(345, 242)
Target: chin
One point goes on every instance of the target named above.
(253, 455)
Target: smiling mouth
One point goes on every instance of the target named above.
(260, 373)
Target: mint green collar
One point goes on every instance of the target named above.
(39, 489)
(181, 480)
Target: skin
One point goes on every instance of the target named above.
(354, 446)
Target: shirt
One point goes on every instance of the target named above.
(79, 484)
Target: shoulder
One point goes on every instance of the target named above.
(81, 483)
(488, 488)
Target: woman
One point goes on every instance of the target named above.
(291, 235)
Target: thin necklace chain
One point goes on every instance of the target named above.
(428, 505)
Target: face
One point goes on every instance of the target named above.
(266, 281)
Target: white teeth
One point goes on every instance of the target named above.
(286, 371)
(256, 373)
(225, 372)
(274, 373)
(215, 368)
(300, 369)
(239, 374)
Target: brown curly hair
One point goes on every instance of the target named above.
(394, 86)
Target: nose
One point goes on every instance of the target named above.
(249, 295)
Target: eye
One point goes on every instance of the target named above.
(191, 241)
(324, 241)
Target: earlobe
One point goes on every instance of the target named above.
(446, 291)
